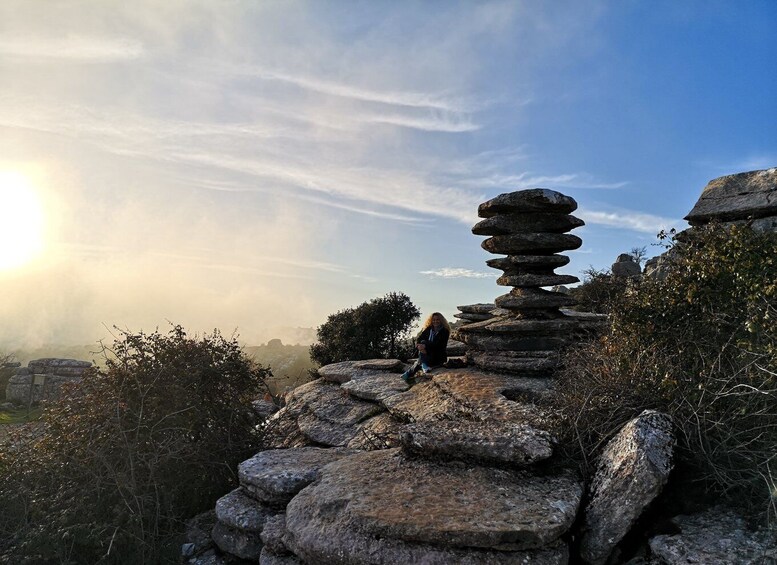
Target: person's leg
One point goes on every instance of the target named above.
(423, 360)
(407, 375)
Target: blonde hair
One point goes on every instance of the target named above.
(428, 321)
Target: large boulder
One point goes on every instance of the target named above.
(625, 267)
(382, 507)
(632, 470)
(737, 197)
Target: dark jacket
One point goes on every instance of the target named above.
(436, 350)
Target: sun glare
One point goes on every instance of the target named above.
(21, 223)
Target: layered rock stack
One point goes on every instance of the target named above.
(529, 227)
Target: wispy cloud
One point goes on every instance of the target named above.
(629, 219)
(71, 47)
(530, 180)
(457, 273)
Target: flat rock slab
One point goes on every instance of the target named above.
(281, 430)
(379, 432)
(502, 442)
(239, 511)
(391, 365)
(715, 536)
(469, 394)
(328, 401)
(375, 386)
(526, 243)
(632, 470)
(505, 224)
(531, 280)
(481, 308)
(275, 476)
(346, 370)
(737, 197)
(385, 495)
(531, 200)
(521, 263)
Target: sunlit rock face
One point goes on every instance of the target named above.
(525, 334)
(750, 196)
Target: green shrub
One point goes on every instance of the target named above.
(373, 330)
(700, 345)
(123, 458)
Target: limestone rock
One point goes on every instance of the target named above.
(385, 495)
(526, 363)
(476, 308)
(501, 442)
(342, 372)
(264, 408)
(625, 266)
(198, 531)
(373, 387)
(379, 432)
(534, 280)
(520, 263)
(281, 430)
(469, 394)
(329, 415)
(273, 532)
(209, 557)
(737, 197)
(533, 298)
(275, 476)
(391, 365)
(715, 536)
(505, 224)
(519, 244)
(241, 543)
(532, 200)
(241, 512)
(632, 470)
(269, 557)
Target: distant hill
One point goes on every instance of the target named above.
(290, 364)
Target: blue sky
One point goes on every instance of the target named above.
(253, 165)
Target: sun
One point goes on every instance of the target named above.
(21, 221)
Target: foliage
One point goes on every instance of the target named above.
(700, 345)
(639, 254)
(124, 457)
(374, 329)
(599, 291)
(6, 371)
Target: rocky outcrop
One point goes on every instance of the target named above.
(625, 267)
(744, 196)
(632, 470)
(715, 536)
(43, 378)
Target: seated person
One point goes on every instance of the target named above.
(432, 344)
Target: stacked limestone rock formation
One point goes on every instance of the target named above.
(529, 227)
(42, 378)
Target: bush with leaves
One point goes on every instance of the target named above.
(373, 330)
(700, 345)
(126, 456)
